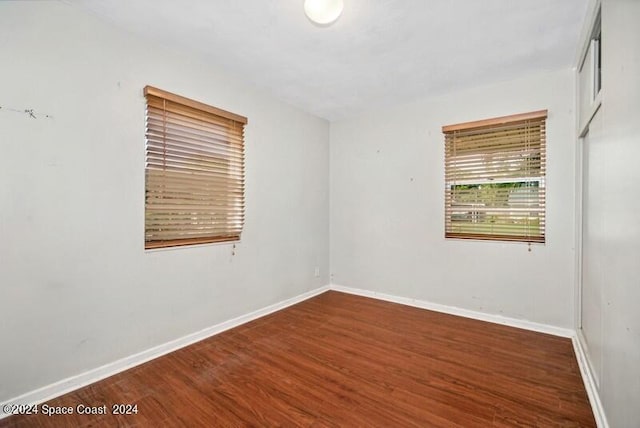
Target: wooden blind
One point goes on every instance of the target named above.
(194, 174)
(495, 178)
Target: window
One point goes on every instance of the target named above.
(590, 77)
(495, 178)
(194, 174)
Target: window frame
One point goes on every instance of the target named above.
(194, 155)
(464, 178)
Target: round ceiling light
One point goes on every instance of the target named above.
(323, 12)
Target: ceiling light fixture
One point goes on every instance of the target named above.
(323, 12)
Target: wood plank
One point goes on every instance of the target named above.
(150, 90)
(496, 121)
(342, 360)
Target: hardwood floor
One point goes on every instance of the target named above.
(338, 360)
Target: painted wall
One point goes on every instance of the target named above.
(78, 288)
(611, 228)
(387, 207)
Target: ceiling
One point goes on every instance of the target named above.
(378, 53)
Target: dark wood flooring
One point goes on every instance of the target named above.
(338, 360)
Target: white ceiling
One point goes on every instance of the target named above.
(378, 53)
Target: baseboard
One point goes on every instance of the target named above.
(452, 310)
(589, 380)
(83, 379)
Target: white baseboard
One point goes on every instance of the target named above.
(452, 310)
(576, 338)
(83, 379)
(589, 380)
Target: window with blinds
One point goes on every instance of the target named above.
(495, 178)
(194, 174)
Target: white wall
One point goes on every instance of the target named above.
(387, 207)
(78, 288)
(611, 237)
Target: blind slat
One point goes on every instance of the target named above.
(192, 122)
(177, 134)
(199, 163)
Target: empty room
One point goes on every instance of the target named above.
(327, 213)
